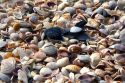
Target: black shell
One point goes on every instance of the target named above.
(54, 33)
(81, 23)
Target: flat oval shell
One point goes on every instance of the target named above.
(45, 71)
(73, 68)
(52, 65)
(84, 58)
(63, 62)
(75, 29)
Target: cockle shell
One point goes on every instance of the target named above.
(63, 62)
(73, 68)
(45, 71)
(52, 65)
(95, 59)
(22, 76)
(8, 65)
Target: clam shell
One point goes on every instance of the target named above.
(73, 68)
(75, 29)
(74, 49)
(50, 59)
(84, 70)
(2, 43)
(52, 65)
(112, 4)
(22, 76)
(45, 71)
(65, 61)
(121, 4)
(95, 59)
(84, 58)
(39, 55)
(33, 19)
(8, 65)
(49, 49)
(4, 78)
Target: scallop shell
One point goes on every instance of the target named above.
(73, 68)
(75, 29)
(74, 49)
(22, 76)
(8, 65)
(49, 49)
(65, 61)
(52, 65)
(4, 78)
(39, 56)
(95, 59)
(2, 43)
(45, 71)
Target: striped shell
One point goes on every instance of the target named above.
(8, 65)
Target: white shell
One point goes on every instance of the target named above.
(72, 76)
(84, 70)
(2, 43)
(22, 76)
(37, 78)
(52, 65)
(8, 65)
(45, 71)
(63, 62)
(14, 36)
(75, 29)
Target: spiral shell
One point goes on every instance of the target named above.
(8, 65)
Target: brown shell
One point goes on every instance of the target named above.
(73, 68)
(74, 49)
(16, 26)
(8, 55)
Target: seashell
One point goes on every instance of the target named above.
(49, 49)
(119, 47)
(17, 15)
(38, 27)
(95, 59)
(2, 43)
(8, 65)
(8, 55)
(11, 30)
(4, 77)
(72, 76)
(73, 68)
(73, 41)
(16, 26)
(14, 36)
(122, 36)
(121, 4)
(84, 58)
(62, 5)
(39, 56)
(2, 26)
(22, 76)
(84, 70)
(75, 29)
(52, 65)
(50, 59)
(41, 43)
(37, 78)
(79, 6)
(92, 23)
(45, 71)
(19, 52)
(100, 72)
(33, 47)
(64, 71)
(62, 52)
(112, 4)
(74, 49)
(54, 33)
(65, 61)
(33, 19)
(70, 10)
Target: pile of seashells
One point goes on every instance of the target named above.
(62, 41)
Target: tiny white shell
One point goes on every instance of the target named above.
(52, 65)
(63, 62)
(45, 71)
(75, 29)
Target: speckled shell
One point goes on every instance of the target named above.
(8, 65)
(73, 68)
(52, 65)
(63, 62)
(45, 71)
